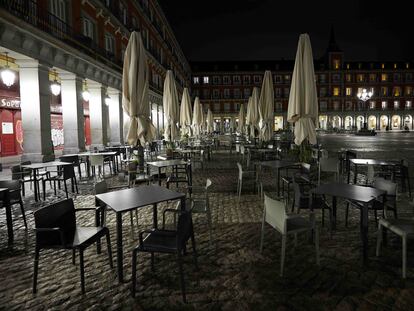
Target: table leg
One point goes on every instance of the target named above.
(35, 184)
(9, 219)
(355, 173)
(334, 213)
(88, 167)
(364, 232)
(348, 167)
(159, 176)
(155, 215)
(119, 248)
(278, 182)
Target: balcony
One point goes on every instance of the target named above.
(45, 21)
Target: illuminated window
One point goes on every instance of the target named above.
(287, 78)
(382, 66)
(407, 65)
(360, 78)
(336, 63)
(408, 104)
(395, 66)
(396, 91)
(347, 66)
(348, 78)
(384, 105)
(372, 105)
(205, 80)
(384, 91)
(372, 77)
(359, 66)
(196, 80)
(396, 104)
(336, 91)
(384, 77)
(348, 91)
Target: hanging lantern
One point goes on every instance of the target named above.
(55, 86)
(8, 76)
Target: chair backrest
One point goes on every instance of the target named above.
(329, 165)
(16, 172)
(385, 185)
(101, 187)
(96, 159)
(57, 215)
(68, 171)
(301, 200)
(70, 159)
(324, 154)
(184, 228)
(237, 147)
(10, 184)
(275, 214)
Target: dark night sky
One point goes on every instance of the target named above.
(209, 30)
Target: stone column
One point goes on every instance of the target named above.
(72, 111)
(97, 115)
(116, 117)
(35, 110)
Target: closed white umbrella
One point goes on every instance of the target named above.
(241, 119)
(209, 121)
(185, 112)
(266, 107)
(254, 113)
(248, 113)
(231, 126)
(303, 99)
(171, 108)
(135, 99)
(197, 116)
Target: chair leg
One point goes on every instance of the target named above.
(36, 266)
(282, 255)
(44, 189)
(134, 271)
(72, 185)
(181, 271)
(23, 213)
(108, 243)
(82, 270)
(404, 257)
(76, 185)
(317, 245)
(346, 214)
(379, 240)
(262, 233)
(66, 189)
(74, 256)
(23, 189)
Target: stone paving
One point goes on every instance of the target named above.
(232, 273)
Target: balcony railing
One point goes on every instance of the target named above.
(54, 26)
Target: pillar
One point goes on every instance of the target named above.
(98, 118)
(35, 110)
(72, 112)
(116, 117)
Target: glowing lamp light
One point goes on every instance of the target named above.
(86, 95)
(107, 100)
(8, 76)
(55, 88)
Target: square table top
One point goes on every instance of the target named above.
(166, 163)
(277, 163)
(374, 162)
(351, 192)
(46, 164)
(131, 198)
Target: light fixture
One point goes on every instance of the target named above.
(107, 99)
(85, 94)
(55, 86)
(8, 76)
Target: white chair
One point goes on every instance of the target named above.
(97, 160)
(250, 175)
(329, 165)
(402, 227)
(274, 214)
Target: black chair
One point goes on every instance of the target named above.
(181, 174)
(23, 175)
(66, 172)
(74, 160)
(14, 195)
(295, 173)
(402, 174)
(166, 241)
(304, 200)
(56, 229)
(107, 161)
(349, 154)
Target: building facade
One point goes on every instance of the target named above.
(80, 44)
(223, 86)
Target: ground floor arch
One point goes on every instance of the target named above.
(372, 122)
(383, 122)
(323, 122)
(408, 122)
(360, 122)
(348, 122)
(395, 122)
(336, 122)
(278, 125)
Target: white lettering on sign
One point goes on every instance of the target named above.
(10, 103)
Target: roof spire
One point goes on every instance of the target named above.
(332, 45)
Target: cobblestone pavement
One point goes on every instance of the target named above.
(232, 275)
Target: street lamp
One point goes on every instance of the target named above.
(364, 96)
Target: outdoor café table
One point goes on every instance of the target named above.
(125, 200)
(188, 153)
(278, 165)
(35, 167)
(4, 194)
(361, 194)
(357, 162)
(166, 163)
(86, 155)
